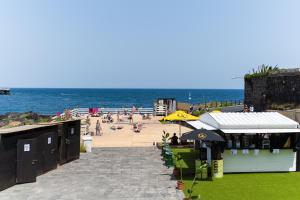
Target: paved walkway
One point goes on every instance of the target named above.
(107, 173)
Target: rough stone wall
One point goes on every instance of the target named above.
(281, 90)
(255, 90)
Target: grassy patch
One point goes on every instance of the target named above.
(258, 186)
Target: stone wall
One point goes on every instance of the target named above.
(275, 91)
(255, 90)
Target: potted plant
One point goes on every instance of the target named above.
(190, 190)
(180, 183)
(164, 142)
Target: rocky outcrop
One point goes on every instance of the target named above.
(278, 91)
(17, 119)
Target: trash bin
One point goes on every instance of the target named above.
(87, 142)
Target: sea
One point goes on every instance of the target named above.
(51, 101)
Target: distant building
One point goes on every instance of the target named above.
(278, 90)
(164, 106)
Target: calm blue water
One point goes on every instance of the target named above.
(51, 101)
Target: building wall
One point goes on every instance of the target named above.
(263, 162)
(274, 89)
(254, 90)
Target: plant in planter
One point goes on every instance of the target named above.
(190, 190)
(165, 136)
(180, 183)
(201, 170)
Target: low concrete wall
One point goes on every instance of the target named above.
(263, 162)
(292, 114)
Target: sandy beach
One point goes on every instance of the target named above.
(151, 132)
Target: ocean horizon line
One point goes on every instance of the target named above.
(125, 88)
(53, 100)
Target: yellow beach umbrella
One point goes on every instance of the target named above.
(179, 116)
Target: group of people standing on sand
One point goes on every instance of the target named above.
(98, 126)
(108, 118)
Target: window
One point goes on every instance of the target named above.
(259, 141)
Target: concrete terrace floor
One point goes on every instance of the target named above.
(107, 173)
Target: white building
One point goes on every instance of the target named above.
(255, 142)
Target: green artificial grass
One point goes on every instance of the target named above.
(246, 186)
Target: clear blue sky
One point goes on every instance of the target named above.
(144, 44)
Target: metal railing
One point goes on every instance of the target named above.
(83, 111)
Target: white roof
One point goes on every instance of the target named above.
(254, 131)
(199, 125)
(21, 128)
(259, 122)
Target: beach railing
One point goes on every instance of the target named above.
(84, 111)
(128, 110)
(160, 110)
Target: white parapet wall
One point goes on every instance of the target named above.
(264, 161)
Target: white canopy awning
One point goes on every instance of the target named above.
(248, 123)
(199, 125)
(254, 131)
(251, 120)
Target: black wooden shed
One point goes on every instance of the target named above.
(29, 151)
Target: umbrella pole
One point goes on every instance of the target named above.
(179, 129)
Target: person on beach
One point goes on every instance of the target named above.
(136, 127)
(174, 140)
(191, 109)
(251, 109)
(246, 109)
(98, 128)
(118, 116)
(88, 123)
(130, 118)
(109, 118)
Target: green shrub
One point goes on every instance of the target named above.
(197, 113)
(261, 71)
(283, 106)
(216, 109)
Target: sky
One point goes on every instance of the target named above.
(144, 44)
